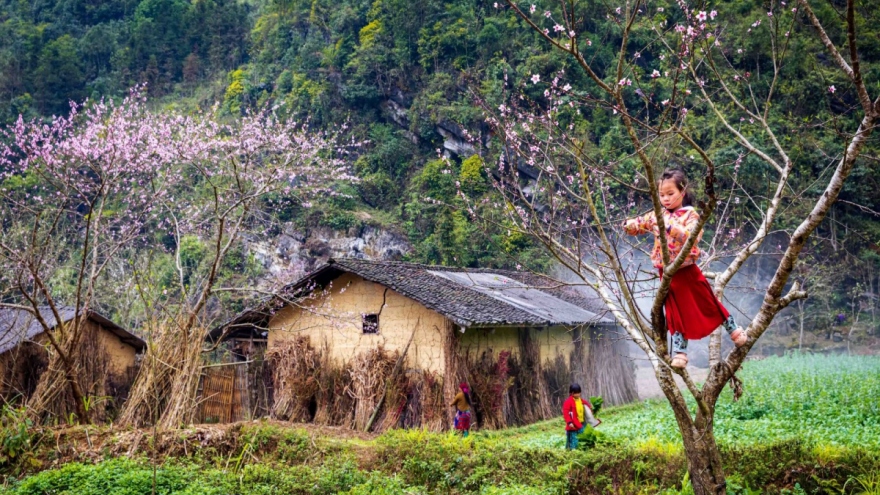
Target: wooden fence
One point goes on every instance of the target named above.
(233, 392)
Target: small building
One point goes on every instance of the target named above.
(109, 355)
(376, 345)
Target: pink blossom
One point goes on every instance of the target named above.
(535, 78)
(713, 14)
(532, 9)
(702, 16)
(831, 89)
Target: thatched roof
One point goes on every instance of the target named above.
(469, 297)
(18, 325)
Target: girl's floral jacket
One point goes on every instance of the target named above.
(679, 223)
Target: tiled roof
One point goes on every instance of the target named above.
(17, 326)
(481, 297)
(469, 297)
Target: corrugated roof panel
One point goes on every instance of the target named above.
(532, 300)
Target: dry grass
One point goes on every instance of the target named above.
(52, 398)
(334, 398)
(165, 390)
(296, 371)
(369, 371)
(489, 377)
(425, 406)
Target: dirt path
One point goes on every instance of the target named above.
(647, 385)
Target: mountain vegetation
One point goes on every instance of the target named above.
(405, 77)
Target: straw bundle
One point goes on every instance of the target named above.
(334, 398)
(52, 397)
(369, 371)
(425, 406)
(164, 392)
(490, 379)
(296, 369)
(557, 377)
(528, 395)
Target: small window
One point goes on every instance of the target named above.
(371, 323)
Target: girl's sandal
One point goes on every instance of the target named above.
(739, 337)
(680, 361)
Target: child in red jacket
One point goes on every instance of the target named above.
(576, 412)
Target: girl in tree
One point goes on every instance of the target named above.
(462, 404)
(692, 310)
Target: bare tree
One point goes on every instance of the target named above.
(230, 170)
(75, 192)
(557, 187)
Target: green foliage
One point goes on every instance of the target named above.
(17, 440)
(135, 477)
(473, 176)
(235, 91)
(631, 452)
(396, 72)
(589, 438)
(810, 398)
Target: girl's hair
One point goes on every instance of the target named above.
(676, 175)
(467, 393)
(574, 388)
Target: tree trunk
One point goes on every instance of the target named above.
(704, 460)
(700, 449)
(849, 335)
(801, 318)
(715, 347)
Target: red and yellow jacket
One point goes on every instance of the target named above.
(570, 415)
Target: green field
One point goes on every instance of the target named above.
(804, 425)
(822, 401)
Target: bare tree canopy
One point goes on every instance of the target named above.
(668, 82)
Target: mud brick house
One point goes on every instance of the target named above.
(376, 345)
(109, 353)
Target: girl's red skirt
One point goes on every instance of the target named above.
(691, 307)
(462, 420)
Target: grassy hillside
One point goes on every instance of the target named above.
(805, 425)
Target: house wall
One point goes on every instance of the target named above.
(335, 319)
(552, 341)
(108, 357)
(120, 356)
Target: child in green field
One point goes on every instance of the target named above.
(577, 413)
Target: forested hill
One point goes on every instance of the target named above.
(403, 73)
